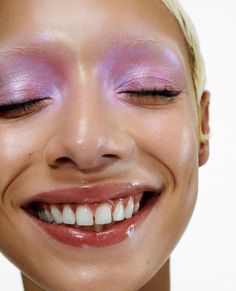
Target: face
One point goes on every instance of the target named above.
(109, 119)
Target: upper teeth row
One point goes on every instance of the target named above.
(84, 216)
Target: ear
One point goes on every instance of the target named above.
(204, 123)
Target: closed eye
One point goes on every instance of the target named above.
(16, 110)
(151, 97)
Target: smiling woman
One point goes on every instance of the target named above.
(103, 118)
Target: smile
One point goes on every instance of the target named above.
(91, 224)
(93, 215)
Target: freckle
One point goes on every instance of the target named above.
(148, 262)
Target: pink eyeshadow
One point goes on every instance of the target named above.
(27, 76)
(142, 65)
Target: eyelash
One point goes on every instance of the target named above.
(16, 110)
(143, 97)
(151, 97)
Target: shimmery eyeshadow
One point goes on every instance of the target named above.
(24, 77)
(142, 65)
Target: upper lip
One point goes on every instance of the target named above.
(90, 194)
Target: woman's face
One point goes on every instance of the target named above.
(115, 116)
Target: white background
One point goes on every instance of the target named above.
(205, 259)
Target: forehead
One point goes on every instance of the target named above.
(91, 27)
(91, 19)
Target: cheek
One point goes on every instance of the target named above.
(16, 145)
(170, 138)
(20, 145)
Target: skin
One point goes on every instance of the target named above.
(87, 132)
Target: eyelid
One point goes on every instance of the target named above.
(27, 101)
(9, 111)
(153, 91)
(146, 82)
(150, 98)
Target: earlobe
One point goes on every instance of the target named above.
(205, 129)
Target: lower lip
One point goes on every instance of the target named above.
(116, 233)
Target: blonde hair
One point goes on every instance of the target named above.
(196, 60)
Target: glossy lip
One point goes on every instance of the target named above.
(112, 234)
(76, 237)
(90, 194)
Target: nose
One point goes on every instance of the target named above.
(88, 138)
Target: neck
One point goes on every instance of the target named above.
(30, 285)
(161, 281)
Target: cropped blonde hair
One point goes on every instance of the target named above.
(196, 60)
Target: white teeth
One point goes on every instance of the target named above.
(56, 213)
(68, 215)
(84, 216)
(103, 214)
(49, 216)
(40, 215)
(119, 212)
(44, 216)
(129, 208)
(136, 207)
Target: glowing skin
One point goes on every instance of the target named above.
(88, 132)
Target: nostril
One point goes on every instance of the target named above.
(86, 165)
(110, 156)
(61, 161)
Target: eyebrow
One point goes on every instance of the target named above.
(167, 50)
(130, 42)
(22, 51)
(52, 50)
(126, 42)
(56, 54)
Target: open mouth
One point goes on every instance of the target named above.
(90, 217)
